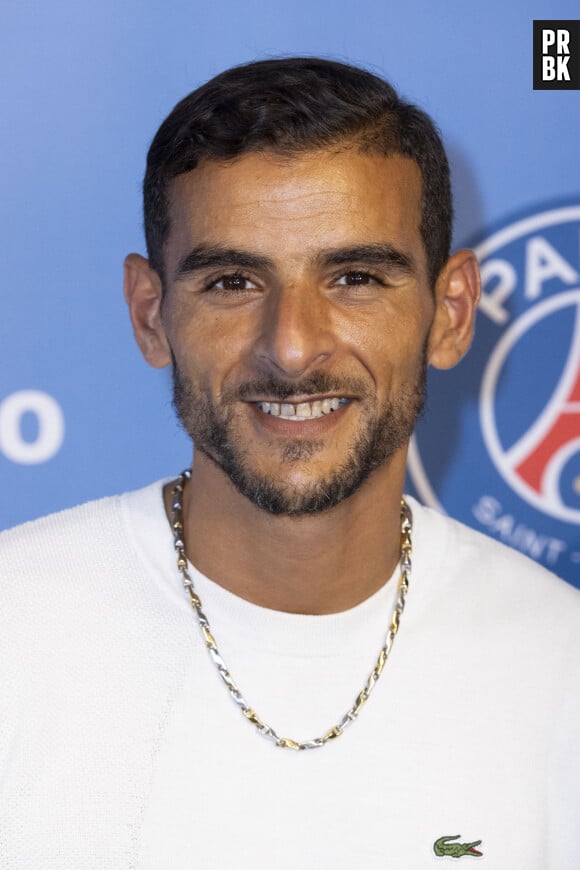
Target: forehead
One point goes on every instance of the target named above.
(287, 205)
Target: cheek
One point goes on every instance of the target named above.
(390, 345)
(211, 350)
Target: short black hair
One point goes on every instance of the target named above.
(291, 106)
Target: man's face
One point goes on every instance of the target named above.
(298, 309)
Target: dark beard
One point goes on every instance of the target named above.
(210, 428)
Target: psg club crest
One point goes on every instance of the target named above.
(499, 443)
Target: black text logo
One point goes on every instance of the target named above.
(556, 55)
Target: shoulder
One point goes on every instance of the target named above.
(58, 535)
(495, 578)
(503, 620)
(77, 547)
(70, 579)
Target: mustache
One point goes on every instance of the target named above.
(314, 384)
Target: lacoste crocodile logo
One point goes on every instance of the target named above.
(444, 846)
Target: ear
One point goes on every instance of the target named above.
(457, 292)
(143, 294)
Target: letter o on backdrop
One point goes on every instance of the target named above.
(50, 427)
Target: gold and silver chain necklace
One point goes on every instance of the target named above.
(211, 645)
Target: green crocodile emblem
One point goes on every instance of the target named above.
(444, 846)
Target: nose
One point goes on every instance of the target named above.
(296, 332)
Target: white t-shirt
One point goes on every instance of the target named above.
(121, 748)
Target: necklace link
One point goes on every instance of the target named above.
(211, 645)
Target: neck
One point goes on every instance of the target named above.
(321, 563)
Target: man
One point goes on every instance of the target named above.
(272, 662)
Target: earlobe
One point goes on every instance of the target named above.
(457, 292)
(143, 294)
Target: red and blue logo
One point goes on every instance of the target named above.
(499, 444)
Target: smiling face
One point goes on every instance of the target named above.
(298, 316)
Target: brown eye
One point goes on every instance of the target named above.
(233, 283)
(357, 279)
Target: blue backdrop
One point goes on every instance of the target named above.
(86, 86)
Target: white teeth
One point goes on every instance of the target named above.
(302, 411)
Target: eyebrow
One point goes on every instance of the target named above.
(213, 256)
(381, 255)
